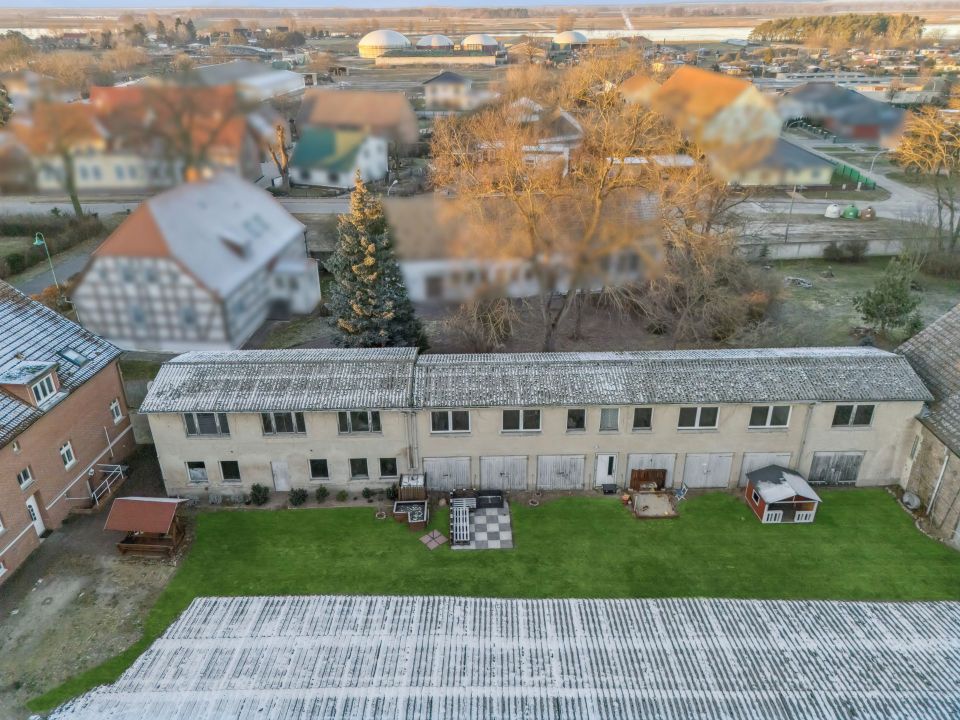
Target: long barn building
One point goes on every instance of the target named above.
(349, 419)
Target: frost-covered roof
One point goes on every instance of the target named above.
(33, 338)
(426, 658)
(258, 380)
(255, 380)
(935, 355)
(664, 377)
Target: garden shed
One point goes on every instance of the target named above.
(152, 525)
(779, 495)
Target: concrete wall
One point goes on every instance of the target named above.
(934, 464)
(885, 444)
(776, 249)
(84, 419)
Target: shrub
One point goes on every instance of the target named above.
(392, 492)
(342, 496)
(852, 251)
(16, 262)
(297, 497)
(942, 264)
(259, 494)
(367, 493)
(322, 494)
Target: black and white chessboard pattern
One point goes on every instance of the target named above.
(491, 529)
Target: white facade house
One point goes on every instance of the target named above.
(559, 421)
(199, 266)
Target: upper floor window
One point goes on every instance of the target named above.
(642, 418)
(853, 416)
(115, 411)
(698, 417)
(283, 423)
(359, 421)
(442, 421)
(609, 419)
(770, 416)
(517, 420)
(576, 419)
(206, 424)
(43, 389)
(24, 477)
(66, 454)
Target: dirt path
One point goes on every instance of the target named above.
(74, 603)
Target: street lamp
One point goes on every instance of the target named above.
(40, 241)
(879, 153)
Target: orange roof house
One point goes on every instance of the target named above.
(387, 114)
(733, 122)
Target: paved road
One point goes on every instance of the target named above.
(107, 206)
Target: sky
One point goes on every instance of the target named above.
(76, 5)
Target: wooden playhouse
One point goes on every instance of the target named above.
(779, 495)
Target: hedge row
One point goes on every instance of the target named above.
(59, 233)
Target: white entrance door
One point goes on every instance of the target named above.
(755, 461)
(281, 474)
(708, 470)
(33, 510)
(560, 472)
(503, 472)
(449, 473)
(606, 470)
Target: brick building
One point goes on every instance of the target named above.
(62, 418)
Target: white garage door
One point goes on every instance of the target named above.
(708, 470)
(560, 472)
(755, 461)
(503, 472)
(449, 473)
(652, 461)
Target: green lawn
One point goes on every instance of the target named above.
(862, 546)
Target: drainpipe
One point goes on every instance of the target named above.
(803, 437)
(936, 488)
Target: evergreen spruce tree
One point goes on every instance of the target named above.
(369, 301)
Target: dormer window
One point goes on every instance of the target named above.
(44, 389)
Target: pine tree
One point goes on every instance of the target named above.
(890, 302)
(369, 301)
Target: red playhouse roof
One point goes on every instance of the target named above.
(142, 514)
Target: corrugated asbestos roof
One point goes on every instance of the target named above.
(250, 381)
(935, 355)
(30, 331)
(432, 658)
(255, 380)
(685, 376)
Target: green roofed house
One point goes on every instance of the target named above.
(325, 157)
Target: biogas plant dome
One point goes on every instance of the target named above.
(435, 42)
(570, 37)
(378, 42)
(479, 41)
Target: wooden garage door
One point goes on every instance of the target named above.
(503, 472)
(448, 473)
(560, 472)
(835, 468)
(707, 470)
(652, 461)
(755, 461)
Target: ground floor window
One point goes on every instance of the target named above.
(388, 467)
(197, 471)
(115, 411)
(24, 477)
(319, 469)
(358, 469)
(230, 470)
(66, 454)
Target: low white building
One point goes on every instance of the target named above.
(199, 266)
(558, 421)
(448, 91)
(324, 157)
